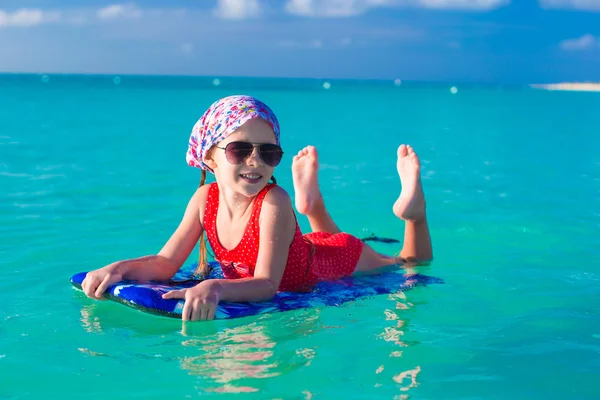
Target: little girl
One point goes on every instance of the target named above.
(250, 223)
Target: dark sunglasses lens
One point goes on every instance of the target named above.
(271, 154)
(237, 152)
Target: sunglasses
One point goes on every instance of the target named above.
(238, 152)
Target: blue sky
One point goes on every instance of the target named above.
(494, 41)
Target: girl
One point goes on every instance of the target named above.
(250, 223)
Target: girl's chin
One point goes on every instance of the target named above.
(251, 189)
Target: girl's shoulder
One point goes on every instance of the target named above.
(277, 220)
(277, 196)
(202, 193)
(277, 202)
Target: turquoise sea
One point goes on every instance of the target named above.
(92, 170)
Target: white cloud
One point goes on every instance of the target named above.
(238, 9)
(27, 17)
(584, 5)
(30, 17)
(115, 11)
(150, 19)
(327, 8)
(583, 43)
(466, 5)
(349, 8)
(300, 7)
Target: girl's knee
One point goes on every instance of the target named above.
(370, 259)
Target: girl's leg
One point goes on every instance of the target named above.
(410, 207)
(308, 198)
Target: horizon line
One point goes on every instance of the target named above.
(396, 81)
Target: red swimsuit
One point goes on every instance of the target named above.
(333, 255)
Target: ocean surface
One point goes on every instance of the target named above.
(92, 170)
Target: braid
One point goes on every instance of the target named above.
(202, 268)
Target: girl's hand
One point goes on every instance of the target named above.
(200, 301)
(96, 282)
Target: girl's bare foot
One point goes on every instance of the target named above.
(305, 168)
(410, 206)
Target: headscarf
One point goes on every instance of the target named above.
(221, 119)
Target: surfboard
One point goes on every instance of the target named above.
(147, 296)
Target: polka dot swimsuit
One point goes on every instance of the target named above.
(312, 257)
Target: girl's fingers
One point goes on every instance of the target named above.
(203, 312)
(90, 286)
(102, 287)
(196, 313)
(175, 294)
(187, 309)
(211, 312)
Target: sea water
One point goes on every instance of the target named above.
(92, 170)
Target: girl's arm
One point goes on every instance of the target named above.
(177, 249)
(277, 228)
(153, 267)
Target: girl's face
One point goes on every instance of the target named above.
(252, 174)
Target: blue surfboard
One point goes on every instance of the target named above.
(147, 296)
